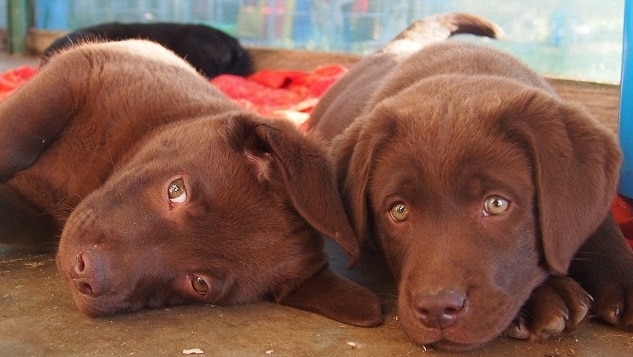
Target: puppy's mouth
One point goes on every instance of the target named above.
(118, 299)
(450, 339)
(113, 304)
(454, 321)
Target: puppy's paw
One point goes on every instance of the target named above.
(558, 305)
(604, 267)
(614, 303)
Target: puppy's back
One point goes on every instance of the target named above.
(455, 57)
(140, 52)
(348, 98)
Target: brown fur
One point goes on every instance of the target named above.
(90, 148)
(441, 130)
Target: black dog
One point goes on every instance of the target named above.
(210, 51)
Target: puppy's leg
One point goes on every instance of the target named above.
(32, 116)
(604, 267)
(331, 295)
(558, 305)
(30, 119)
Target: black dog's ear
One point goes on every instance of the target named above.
(331, 295)
(34, 114)
(277, 150)
(575, 163)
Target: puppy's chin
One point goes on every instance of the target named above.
(437, 339)
(442, 343)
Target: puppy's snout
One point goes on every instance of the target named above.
(441, 309)
(89, 273)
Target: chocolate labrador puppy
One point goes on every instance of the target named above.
(480, 186)
(163, 192)
(210, 51)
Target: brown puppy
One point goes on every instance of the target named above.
(477, 182)
(167, 192)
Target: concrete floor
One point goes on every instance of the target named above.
(38, 318)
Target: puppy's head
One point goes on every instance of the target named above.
(215, 210)
(475, 189)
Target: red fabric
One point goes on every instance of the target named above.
(622, 209)
(282, 94)
(13, 78)
(274, 93)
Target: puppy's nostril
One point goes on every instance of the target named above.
(80, 266)
(442, 309)
(84, 288)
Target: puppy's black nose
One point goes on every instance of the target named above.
(89, 275)
(441, 309)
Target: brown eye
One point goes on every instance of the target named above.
(495, 206)
(199, 285)
(176, 191)
(399, 212)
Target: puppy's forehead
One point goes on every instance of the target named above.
(196, 148)
(440, 119)
(450, 131)
(182, 141)
(454, 107)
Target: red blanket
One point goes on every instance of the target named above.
(12, 79)
(290, 95)
(622, 209)
(281, 94)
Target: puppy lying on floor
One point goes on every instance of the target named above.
(479, 185)
(210, 51)
(165, 192)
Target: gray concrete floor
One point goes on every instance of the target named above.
(38, 318)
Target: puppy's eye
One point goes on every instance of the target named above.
(495, 206)
(176, 191)
(399, 212)
(199, 285)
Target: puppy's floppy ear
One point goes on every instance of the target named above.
(354, 152)
(278, 150)
(576, 164)
(34, 114)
